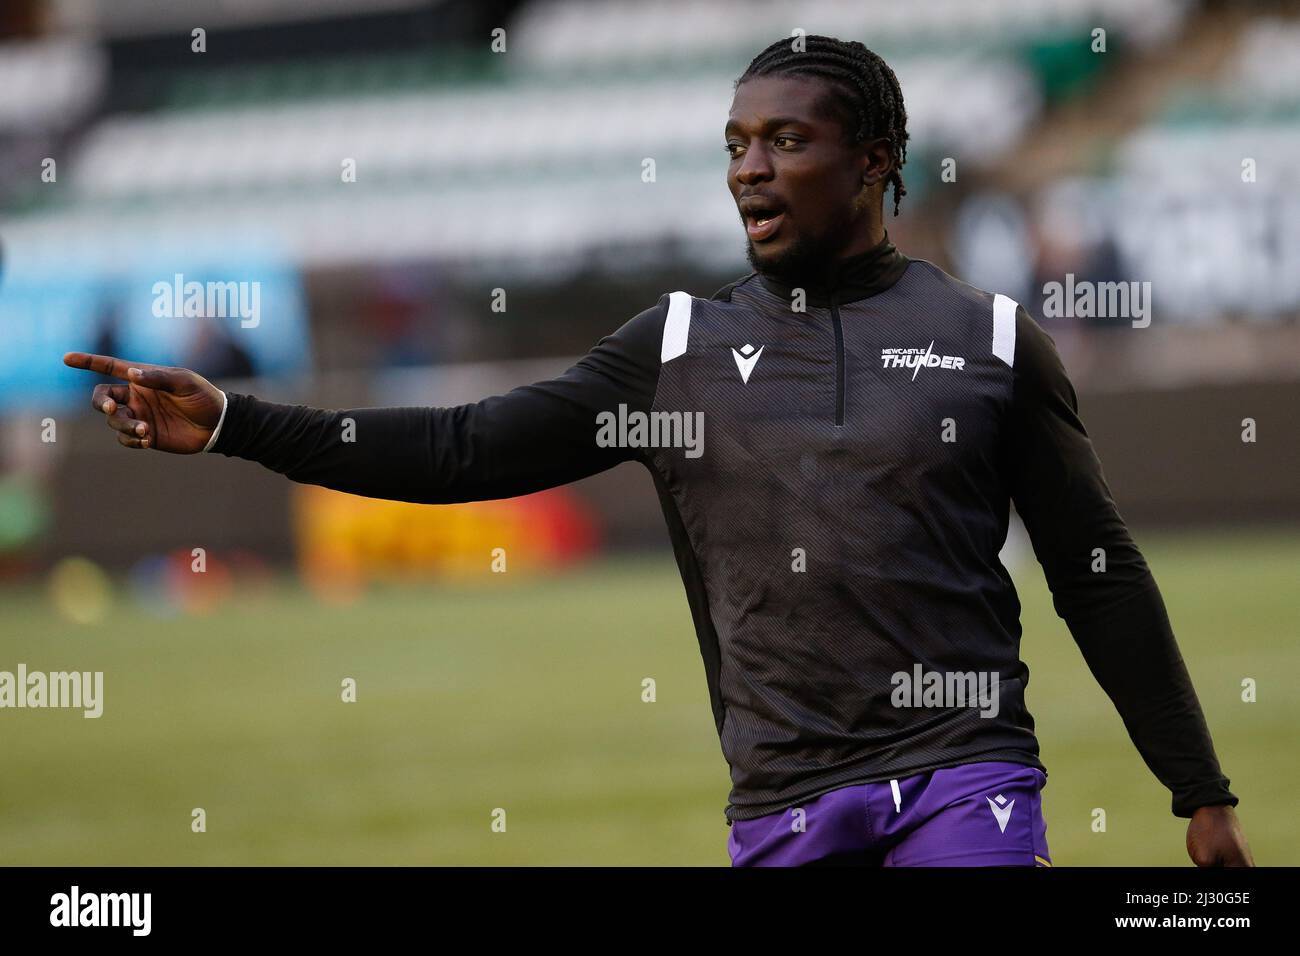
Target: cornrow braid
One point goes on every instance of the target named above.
(865, 96)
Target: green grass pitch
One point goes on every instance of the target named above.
(524, 693)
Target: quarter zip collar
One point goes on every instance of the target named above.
(856, 277)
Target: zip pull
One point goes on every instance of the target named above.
(898, 797)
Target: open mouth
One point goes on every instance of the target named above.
(763, 226)
(761, 220)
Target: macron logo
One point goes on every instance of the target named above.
(746, 359)
(1001, 810)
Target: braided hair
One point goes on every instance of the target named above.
(865, 96)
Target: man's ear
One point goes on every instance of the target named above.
(877, 163)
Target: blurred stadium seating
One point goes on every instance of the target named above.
(478, 169)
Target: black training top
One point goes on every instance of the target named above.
(838, 525)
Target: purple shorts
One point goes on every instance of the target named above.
(978, 814)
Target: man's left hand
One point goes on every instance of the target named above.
(1215, 838)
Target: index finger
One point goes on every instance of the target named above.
(103, 364)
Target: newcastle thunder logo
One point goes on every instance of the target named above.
(916, 359)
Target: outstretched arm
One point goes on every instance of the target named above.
(533, 437)
(1116, 616)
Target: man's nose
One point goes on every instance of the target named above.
(755, 167)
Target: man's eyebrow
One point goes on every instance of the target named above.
(768, 124)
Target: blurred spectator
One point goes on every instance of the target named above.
(215, 354)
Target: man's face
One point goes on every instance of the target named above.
(790, 166)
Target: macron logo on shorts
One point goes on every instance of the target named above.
(1001, 810)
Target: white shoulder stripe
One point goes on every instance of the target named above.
(1004, 328)
(677, 326)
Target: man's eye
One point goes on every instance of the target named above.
(787, 139)
(729, 147)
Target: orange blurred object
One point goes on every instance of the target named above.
(345, 541)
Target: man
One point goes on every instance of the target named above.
(868, 421)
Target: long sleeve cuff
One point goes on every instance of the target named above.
(216, 432)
